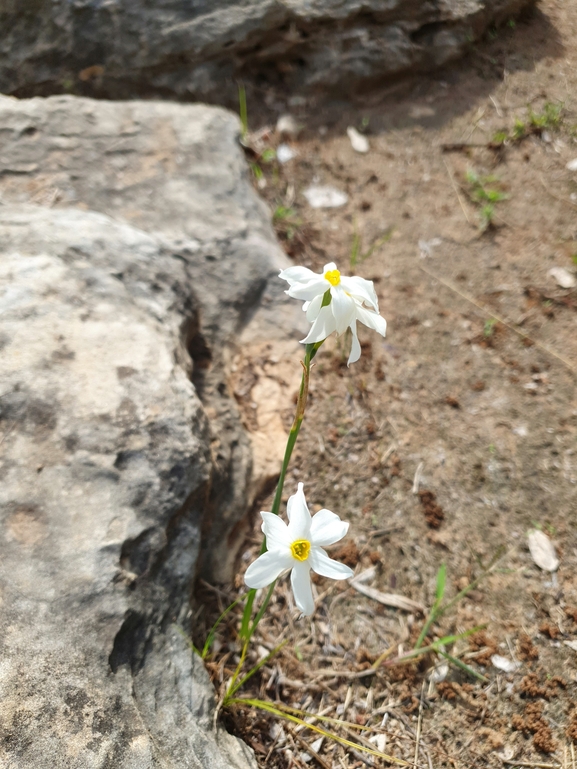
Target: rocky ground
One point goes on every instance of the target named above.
(455, 435)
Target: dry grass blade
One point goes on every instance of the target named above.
(283, 712)
(319, 759)
(419, 725)
(457, 193)
(417, 478)
(351, 674)
(530, 763)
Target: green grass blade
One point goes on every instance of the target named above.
(378, 243)
(262, 610)
(458, 663)
(500, 553)
(233, 690)
(188, 640)
(247, 613)
(243, 111)
(434, 647)
(441, 582)
(210, 638)
(423, 634)
(435, 610)
(326, 719)
(355, 249)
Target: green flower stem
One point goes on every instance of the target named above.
(246, 629)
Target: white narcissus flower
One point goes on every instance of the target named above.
(299, 546)
(351, 299)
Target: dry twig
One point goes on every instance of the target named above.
(388, 599)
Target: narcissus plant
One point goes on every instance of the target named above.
(298, 546)
(334, 302)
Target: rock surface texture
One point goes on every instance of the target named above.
(133, 253)
(124, 48)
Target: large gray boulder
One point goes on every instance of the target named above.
(199, 50)
(133, 255)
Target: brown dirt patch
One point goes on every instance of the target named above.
(434, 515)
(472, 395)
(526, 649)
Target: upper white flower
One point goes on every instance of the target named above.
(351, 299)
(299, 546)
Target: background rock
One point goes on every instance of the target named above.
(133, 254)
(121, 49)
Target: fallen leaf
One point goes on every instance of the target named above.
(90, 73)
(542, 550)
(380, 740)
(426, 246)
(505, 664)
(366, 576)
(439, 672)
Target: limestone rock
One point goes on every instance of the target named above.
(199, 51)
(133, 255)
(105, 475)
(176, 172)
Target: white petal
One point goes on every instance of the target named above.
(313, 307)
(276, 532)
(310, 289)
(301, 585)
(297, 275)
(372, 320)
(330, 267)
(326, 567)
(267, 568)
(327, 528)
(362, 289)
(355, 347)
(323, 326)
(343, 308)
(299, 517)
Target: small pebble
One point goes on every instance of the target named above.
(287, 126)
(284, 153)
(563, 277)
(359, 142)
(325, 197)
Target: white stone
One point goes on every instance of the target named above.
(325, 197)
(284, 153)
(563, 277)
(286, 125)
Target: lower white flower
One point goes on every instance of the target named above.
(334, 302)
(299, 546)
